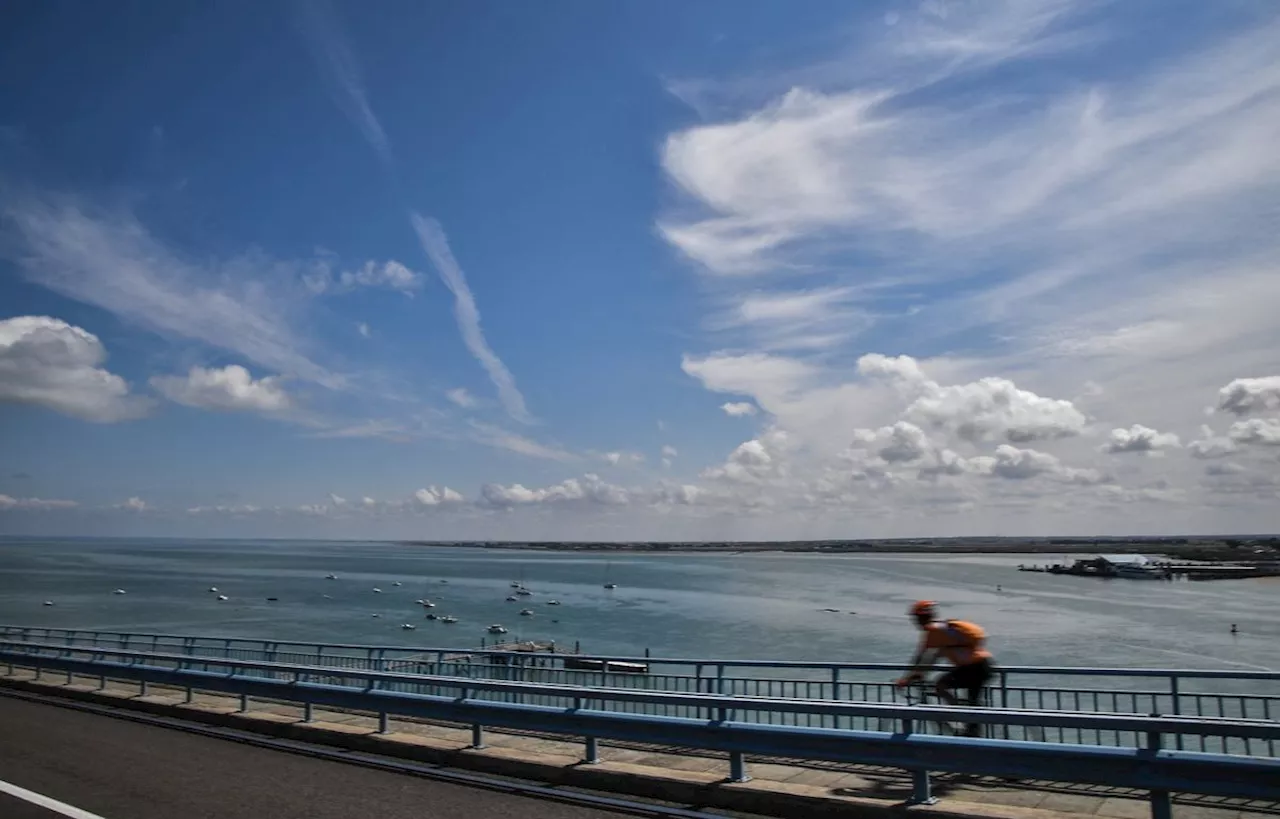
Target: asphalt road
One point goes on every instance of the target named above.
(126, 770)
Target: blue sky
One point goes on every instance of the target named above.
(586, 270)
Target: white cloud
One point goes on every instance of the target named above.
(622, 458)
(134, 504)
(1013, 463)
(1244, 396)
(1263, 431)
(590, 490)
(903, 442)
(437, 496)
(363, 329)
(436, 246)
(669, 454)
(756, 460)
(48, 363)
(7, 502)
(461, 397)
(391, 275)
(231, 388)
(997, 407)
(738, 409)
(1211, 445)
(753, 374)
(1138, 438)
(110, 260)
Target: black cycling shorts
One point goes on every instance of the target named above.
(972, 677)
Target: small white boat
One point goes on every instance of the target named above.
(328, 597)
(420, 602)
(330, 577)
(526, 612)
(222, 598)
(397, 583)
(512, 598)
(611, 585)
(524, 592)
(553, 602)
(449, 619)
(408, 626)
(377, 590)
(376, 615)
(48, 602)
(119, 591)
(213, 590)
(427, 604)
(515, 584)
(497, 629)
(432, 616)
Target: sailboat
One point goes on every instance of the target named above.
(608, 584)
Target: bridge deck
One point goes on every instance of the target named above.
(667, 768)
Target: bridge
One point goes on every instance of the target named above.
(1207, 735)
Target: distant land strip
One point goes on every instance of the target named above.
(1192, 547)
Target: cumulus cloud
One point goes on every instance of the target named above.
(754, 460)
(8, 502)
(230, 388)
(996, 407)
(903, 442)
(1245, 396)
(1260, 431)
(738, 409)
(437, 496)
(1138, 438)
(1211, 445)
(589, 490)
(134, 504)
(1016, 464)
(48, 363)
(753, 373)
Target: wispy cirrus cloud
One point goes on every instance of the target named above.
(494, 436)
(341, 70)
(436, 245)
(247, 305)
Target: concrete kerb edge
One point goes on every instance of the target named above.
(684, 787)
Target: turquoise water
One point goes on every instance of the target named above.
(751, 606)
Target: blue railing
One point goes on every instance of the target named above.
(1195, 693)
(715, 722)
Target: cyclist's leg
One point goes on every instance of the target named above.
(947, 684)
(976, 679)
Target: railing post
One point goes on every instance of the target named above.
(920, 792)
(1161, 802)
(738, 767)
(477, 736)
(308, 712)
(1004, 699)
(384, 723)
(835, 693)
(592, 755)
(144, 689)
(191, 695)
(1177, 706)
(244, 703)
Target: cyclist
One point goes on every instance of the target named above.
(960, 642)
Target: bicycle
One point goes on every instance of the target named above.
(920, 692)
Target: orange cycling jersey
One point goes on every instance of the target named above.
(958, 641)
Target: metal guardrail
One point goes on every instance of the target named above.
(591, 713)
(1112, 690)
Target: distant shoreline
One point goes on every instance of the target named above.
(1206, 548)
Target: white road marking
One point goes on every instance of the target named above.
(46, 802)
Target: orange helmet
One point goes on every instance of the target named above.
(922, 608)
